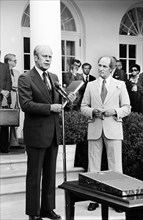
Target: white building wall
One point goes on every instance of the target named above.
(102, 21)
(101, 18)
(11, 41)
(10, 19)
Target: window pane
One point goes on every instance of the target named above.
(70, 48)
(63, 48)
(70, 25)
(26, 62)
(63, 63)
(131, 62)
(124, 63)
(69, 61)
(26, 45)
(123, 51)
(132, 51)
(140, 14)
(67, 20)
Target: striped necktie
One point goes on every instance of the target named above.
(45, 75)
(11, 71)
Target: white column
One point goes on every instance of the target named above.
(45, 29)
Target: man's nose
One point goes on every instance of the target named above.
(101, 68)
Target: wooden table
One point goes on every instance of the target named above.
(131, 205)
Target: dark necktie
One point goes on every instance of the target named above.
(103, 90)
(86, 79)
(45, 75)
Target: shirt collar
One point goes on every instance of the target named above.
(107, 81)
(85, 76)
(40, 71)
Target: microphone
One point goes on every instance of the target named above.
(61, 91)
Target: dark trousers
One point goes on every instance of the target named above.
(4, 139)
(41, 165)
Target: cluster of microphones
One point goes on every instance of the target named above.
(62, 92)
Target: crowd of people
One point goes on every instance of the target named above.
(104, 99)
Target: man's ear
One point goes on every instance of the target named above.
(35, 58)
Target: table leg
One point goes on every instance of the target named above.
(135, 214)
(70, 206)
(104, 212)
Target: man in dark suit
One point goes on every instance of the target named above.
(73, 73)
(118, 72)
(86, 68)
(5, 101)
(140, 92)
(86, 77)
(40, 103)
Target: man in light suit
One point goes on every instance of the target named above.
(11, 60)
(41, 105)
(105, 117)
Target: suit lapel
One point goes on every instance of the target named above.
(52, 80)
(40, 84)
(96, 90)
(111, 90)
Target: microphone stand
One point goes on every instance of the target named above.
(64, 152)
(64, 145)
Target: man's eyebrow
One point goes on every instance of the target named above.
(102, 65)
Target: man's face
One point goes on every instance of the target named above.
(12, 62)
(86, 70)
(74, 69)
(77, 65)
(43, 58)
(134, 71)
(104, 69)
(118, 65)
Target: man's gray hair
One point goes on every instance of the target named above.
(8, 57)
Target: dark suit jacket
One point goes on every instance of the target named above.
(120, 75)
(91, 78)
(40, 123)
(5, 80)
(140, 91)
(78, 101)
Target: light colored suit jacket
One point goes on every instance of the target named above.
(117, 98)
(14, 80)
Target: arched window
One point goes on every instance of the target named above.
(71, 39)
(131, 38)
(67, 20)
(26, 17)
(132, 22)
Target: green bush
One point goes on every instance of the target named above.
(76, 133)
(75, 127)
(133, 145)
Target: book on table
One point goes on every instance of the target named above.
(112, 182)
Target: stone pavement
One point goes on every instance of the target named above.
(13, 208)
(12, 193)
